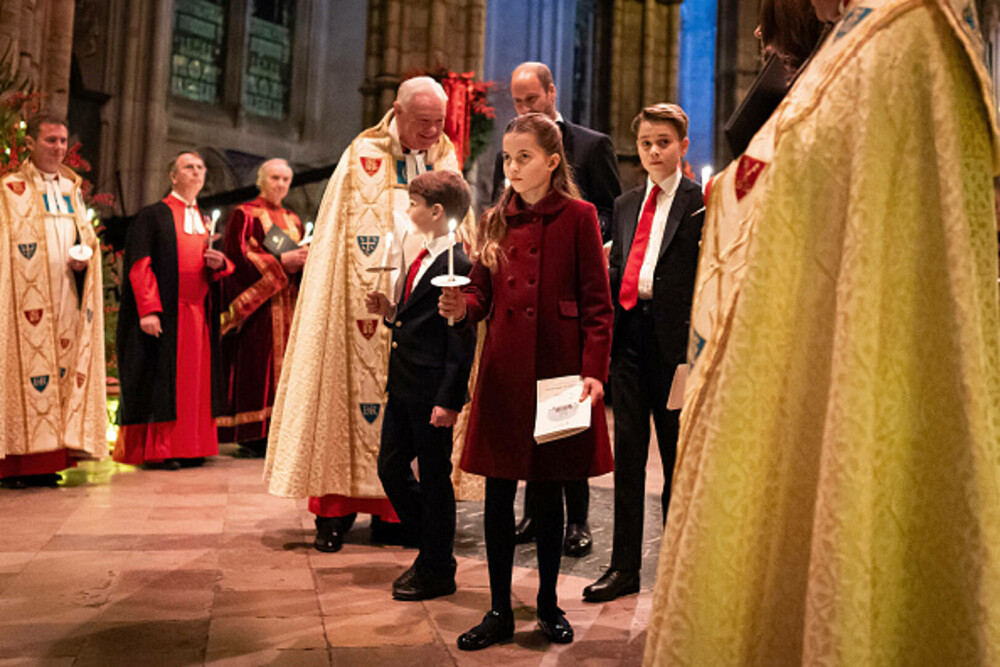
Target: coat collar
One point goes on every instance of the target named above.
(550, 204)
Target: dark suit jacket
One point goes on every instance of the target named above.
(591, 156)
(430, 361)
(673, 281)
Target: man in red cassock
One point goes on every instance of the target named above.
(171, 380)
(260, 297)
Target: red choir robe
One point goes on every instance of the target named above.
(170, 388)
(260, 301)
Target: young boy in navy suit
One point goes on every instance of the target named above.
(428, 376)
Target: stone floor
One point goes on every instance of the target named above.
(121, 566)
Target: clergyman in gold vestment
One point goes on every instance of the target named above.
(836, 497)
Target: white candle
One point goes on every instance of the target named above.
(451, 247)
(388, 249)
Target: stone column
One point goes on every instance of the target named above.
(56, 55)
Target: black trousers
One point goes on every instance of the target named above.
(641, 384)
(499, 524)
(425, 508)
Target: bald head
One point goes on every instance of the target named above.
(419, 110)
(532, 90)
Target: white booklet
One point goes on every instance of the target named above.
(559, 412)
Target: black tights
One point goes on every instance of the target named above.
(499, 524)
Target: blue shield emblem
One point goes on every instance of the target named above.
(401, 172)
(27, 249)
(90, 315)
(40, 382)
(370, 411)
(368, 244)
(851, 21)
(62, 372)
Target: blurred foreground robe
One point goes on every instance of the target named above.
(259, 300)
(327, 419)
(52, 327)
(172, 386)
(836, 491)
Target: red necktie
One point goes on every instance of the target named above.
(412, 273)
(628, 294)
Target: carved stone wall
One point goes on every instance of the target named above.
(38, 36)
(408, 35)
(644, 62)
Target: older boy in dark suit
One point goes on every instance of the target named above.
(654, 258)
(428, 376)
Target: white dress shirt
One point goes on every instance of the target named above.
(664, 200)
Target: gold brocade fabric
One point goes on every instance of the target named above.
(53, 393)
(836, 497)
(327, 418)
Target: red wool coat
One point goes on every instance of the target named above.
(547, 317)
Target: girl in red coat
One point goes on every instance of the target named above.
(540, 279)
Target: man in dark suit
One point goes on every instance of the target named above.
(654, 258)
(594, 165)
(428, 379)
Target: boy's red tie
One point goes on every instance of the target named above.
(412, 273)
(628, 294)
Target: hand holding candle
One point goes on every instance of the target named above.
(448, 304)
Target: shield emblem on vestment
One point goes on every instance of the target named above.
(62, 372)
(747, 172)
(368, 328)
(90, 315)
(64, 343)
(40, 382)
(371, 165)
(17, 187)
(34, 315)
(368, 244)
(80, 379)
(27, 250)
(370, 411)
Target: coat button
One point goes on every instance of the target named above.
(510, 311)
(513, 251)
(533, 251)
(530, 312)
(395, 345)
(511, 281)
(531, 281)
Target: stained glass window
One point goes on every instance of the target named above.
(196, 66)
(269, 59)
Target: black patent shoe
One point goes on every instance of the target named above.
(612, 584)
(495, 628)
(578, 542)
(168, 464)
(524, 532)
(329, 535)
(194, 462)
(555, 626)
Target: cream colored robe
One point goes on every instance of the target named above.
(52, 362)
(836, 497)
(327, 419)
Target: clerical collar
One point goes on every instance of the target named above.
(188, 204)
(54, 176)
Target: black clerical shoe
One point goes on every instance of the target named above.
(554, 625)
(495, 628)
(168, 464)
(329, 534)
(424, 587)
(524, 532)
(31, 481)
(578, 541)
(193, 462)
(612, 584)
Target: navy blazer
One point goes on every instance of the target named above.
(430, 361)
(676, 267)
(592, 158)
